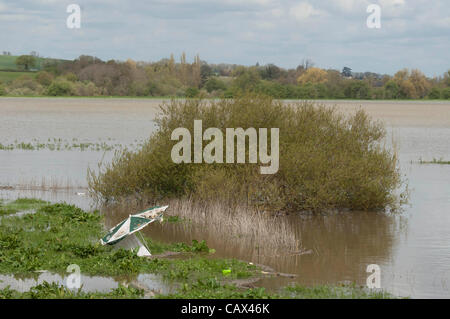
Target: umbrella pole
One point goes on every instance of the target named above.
(144, 242)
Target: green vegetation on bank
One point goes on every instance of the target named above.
(90, 76)
(213, 289)
(327, 160)
(209, 289)
(59, 235)
(54, 291)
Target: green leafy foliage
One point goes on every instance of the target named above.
(192, 92)
(59, 87)
(327, 160)
(213, 289)
(26, 61)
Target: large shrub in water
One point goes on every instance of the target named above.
(327, 160)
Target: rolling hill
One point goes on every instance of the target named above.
(10, 71)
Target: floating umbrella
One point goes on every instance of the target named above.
(132, 224)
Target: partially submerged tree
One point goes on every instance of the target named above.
(326, 160)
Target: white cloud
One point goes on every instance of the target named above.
(277, 12)
(3, 7)
(303, 11)
(444, 22)
(265, 25)
(352, 5)
(15, 17)
(258, 2)
(394, 8)
(387, 3)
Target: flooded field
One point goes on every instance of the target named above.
(412, 248)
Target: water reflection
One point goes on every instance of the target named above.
(24, 283)
(332, 248)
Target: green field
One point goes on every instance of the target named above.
(9, 71)
(8, 62)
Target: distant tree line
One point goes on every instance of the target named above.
(90, 76)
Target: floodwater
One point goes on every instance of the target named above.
(149, 282)
(411, 248)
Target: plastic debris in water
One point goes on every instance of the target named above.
(226, 272)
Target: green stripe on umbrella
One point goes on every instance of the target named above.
(133, 224)
(127, 227)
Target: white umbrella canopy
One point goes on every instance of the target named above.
(154, 213)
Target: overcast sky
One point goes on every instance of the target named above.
(333, 33)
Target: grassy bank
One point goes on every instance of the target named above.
(200, 290)
(59, 235)
(213, 289)
(327, 160)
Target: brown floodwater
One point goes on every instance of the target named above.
(411, 248)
